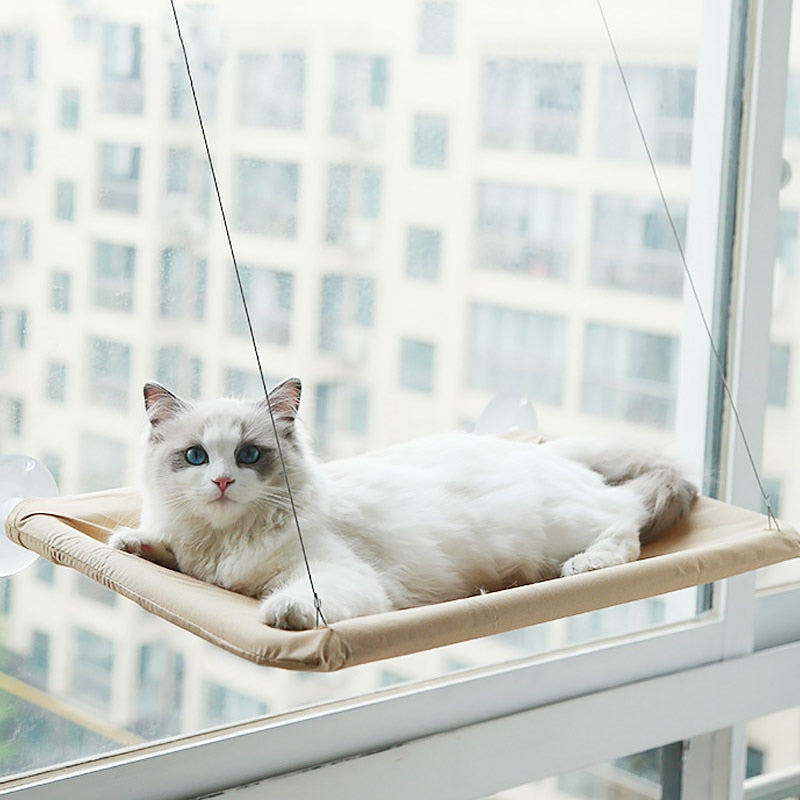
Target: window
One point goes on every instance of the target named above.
(159, 690)
(181, 372)
(244, 383)
(56, 381)
(60, 284)
(188, 192)
(109, 374)
(360, 89)
(40, 658)
(519, 352)
(532, 105)
(70, 109)
(93, 667)
(94, 591)
(102, 462)
(114, 274)
(342, 411)
(633, 246)
(65, 200)
(430, 141)
(45, 570)
(225, 705)
(629, 375)
(436, 28)
(271, 89)
(665, 100)
(346, 313)
(182, 285)
(423, 253)
(122, 88)
(269, 298)
(525, 229)
(267, 197)
(778, 381)
(119, 178)
(354, 199)
(416, 365)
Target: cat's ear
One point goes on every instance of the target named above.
(161, 404)
(285, 400)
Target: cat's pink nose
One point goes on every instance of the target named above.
(223, 483)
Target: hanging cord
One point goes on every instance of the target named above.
(771, 519)
(317, 601)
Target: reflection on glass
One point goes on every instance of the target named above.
(428, 207)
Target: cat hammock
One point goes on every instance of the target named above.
(715, 541)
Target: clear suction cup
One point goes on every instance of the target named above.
(505, 413)
(20, 477)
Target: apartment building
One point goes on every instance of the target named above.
(431, 206)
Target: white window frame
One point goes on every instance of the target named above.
(486, 729)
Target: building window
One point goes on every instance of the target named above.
(787, 241)
(45, 571)
(436, 28)
(29, 151)
(181, 372)
(269, 298)
(39, 659)
(772, 487)
(122, 88)
(664, 98)
(340, 409)
(65, 200)
(780, 356)
(416, 365)
(101, 463)
(70, 109)
(532, 105)
(14, 417)
(792, 119)
(114, 274)
(53, 463)
(159, 690)
(244, 383)
(92, 668)
(182, 285)
(109, 373)
(633, 246)
(430, 141)
(360, 88)
(423, 252)
(95, 591)
(267, 197)
(227, 705)
(60, 286)
(525, 229)
(517, 352)
(188, 186)
(346, 312)
(354, 202)
(119, 177)
(271, 87)
(630, 375)
(56, 381)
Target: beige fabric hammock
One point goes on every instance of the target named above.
(716, 541)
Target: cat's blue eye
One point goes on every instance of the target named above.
(249, 454)
(196, 456)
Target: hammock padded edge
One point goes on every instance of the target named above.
(715, 541)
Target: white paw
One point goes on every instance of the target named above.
(130, 541)
(590, 561)
(584, 562)
(288, 613)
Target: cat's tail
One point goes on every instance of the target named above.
(665, 488)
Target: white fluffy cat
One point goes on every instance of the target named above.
(434, 519)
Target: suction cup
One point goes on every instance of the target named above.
(505, 413)
(20, 477)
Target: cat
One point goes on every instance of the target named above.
(437, 518)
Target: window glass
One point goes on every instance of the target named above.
(781, 463)
(432, 204)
